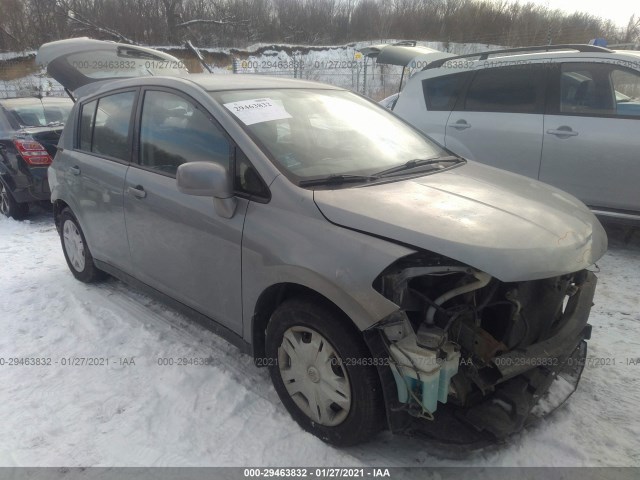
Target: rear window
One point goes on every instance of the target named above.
(4, 125)
(39, 115)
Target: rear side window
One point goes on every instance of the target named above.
(174, 131)
(514, 89)
(441, 93)
(86, 124)
(105, 124)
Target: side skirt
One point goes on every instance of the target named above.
(203, 320)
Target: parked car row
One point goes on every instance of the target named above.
(566, 115)
(386, 282)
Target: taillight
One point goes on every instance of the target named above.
(32, 152)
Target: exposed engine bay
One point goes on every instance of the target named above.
(473, 358)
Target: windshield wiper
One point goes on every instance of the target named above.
(417, 162)
(336, 180)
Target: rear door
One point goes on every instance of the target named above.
(179, 245)
(439, 94)
(95, 170)
(591, 134)
(499, 119)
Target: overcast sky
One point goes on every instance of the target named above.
(617, 10)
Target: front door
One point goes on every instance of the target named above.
(591, 134)
(179, 245)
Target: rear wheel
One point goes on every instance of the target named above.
(313, 354)
(8, 205)
(76, 251)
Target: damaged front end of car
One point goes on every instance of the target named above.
(468, 359)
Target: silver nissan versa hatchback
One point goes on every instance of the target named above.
(385, 282)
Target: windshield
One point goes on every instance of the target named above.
(318, 133)
(39, 115)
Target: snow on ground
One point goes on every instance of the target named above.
(228, 413)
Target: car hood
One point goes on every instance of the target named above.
(504, 224)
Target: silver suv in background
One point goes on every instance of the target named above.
(384, 281)
(568, 115)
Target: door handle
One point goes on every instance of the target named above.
(137, 191)
(460, 125)
(75, 170)
(563, 131)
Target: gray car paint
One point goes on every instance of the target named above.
(94, 190)
(289, 240)
(497, 222)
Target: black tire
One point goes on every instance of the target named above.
(86, 271)
(8, 205)
(366, 414)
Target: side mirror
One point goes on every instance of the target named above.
(208, 179)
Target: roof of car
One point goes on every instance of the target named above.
(252, 81)
(14, 102)
(206, 81)
(522, 54)
(635, 53)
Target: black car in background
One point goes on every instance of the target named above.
(30, 128)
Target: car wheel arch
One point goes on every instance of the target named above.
(270, 299)
(58, 207)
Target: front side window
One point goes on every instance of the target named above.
(626, 89)
(585, 88)
(104, 125)
(311, 134)
(596, 89)
(174, 131)
(513, 89)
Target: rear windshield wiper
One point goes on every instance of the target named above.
(417, 162)
(336, 180)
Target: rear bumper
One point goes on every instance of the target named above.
(32, 186)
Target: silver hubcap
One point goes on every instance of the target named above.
(4, 201)
(314, 376)
(73, 245)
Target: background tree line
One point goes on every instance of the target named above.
(26, 24)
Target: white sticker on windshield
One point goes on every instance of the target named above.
(258, 110)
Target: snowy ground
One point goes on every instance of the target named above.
(228, 413)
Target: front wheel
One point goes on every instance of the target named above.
(319, 369)
(76, 251)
